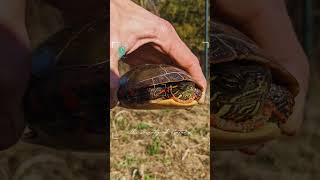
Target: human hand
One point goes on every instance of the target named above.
(132, 27)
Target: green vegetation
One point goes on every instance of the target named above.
(149, 177)
(142, 126)
(121, 122)
(154, 148)
(127, 162)
(166, 161)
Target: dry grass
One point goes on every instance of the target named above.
(160, 144)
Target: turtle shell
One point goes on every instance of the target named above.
(65, 105)
(228, 44)
(148, 75)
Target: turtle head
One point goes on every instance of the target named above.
(238, 93)
(178, 95)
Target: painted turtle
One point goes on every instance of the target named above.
(252, 96)
(65, 105)
(155, 86)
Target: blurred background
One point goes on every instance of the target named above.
(289, 158)
(32, 162)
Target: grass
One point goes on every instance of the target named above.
(127, 161)
(142, 126)
(155, 146)
(149, 177)
(166, 161)
(167, 144)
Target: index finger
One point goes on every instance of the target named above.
(171, 44)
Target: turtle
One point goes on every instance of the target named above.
(157, 86)
(66, 101)
(251, 96)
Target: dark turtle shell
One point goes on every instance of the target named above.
(229, 44)
(65, 105)
(149, 76)
(152, 74)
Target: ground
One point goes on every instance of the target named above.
(160, 144)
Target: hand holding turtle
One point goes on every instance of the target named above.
(133, 27)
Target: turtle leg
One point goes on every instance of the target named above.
(270, 109)
(163, 91)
